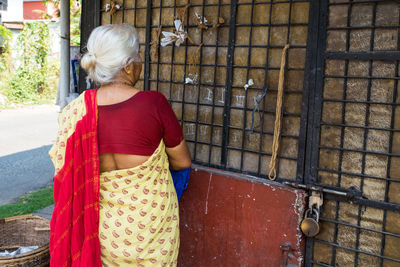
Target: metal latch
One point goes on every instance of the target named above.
(310, 224)
(349, 193)
(287, 252)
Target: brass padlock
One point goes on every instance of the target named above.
(310, 226)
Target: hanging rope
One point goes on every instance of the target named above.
(182, 13)
(193, 60)
(182, 16)
(278, 117)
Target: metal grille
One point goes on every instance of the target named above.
(133, 13)
(358, 114)
(216, 111)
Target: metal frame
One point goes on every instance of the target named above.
(229, 74)
(311, 81)
(314, 80)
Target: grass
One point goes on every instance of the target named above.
(29, 203)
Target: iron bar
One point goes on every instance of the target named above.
(172, 57)
(389, 55)
(123, 11)
(184, 75)
(262, 153)
(247, 78)
(213, 92)
(331, 3)
(158, 53)
(229, 73)
(368, 203)
(395, 94)
(308, 87)
(223, 65)
(198, 86)
(311, 81)
(147, 51)
(364, 151)
(359, 127)
(368, 102)
(355, 250)
(360, 227)
(364, 27)
(348, 193)
(359, 175)
(362, 77)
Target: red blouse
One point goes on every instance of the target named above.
(137, 125)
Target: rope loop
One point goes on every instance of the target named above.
(278, 117)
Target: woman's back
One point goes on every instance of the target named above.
(131, 126)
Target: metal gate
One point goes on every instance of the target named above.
(353, 132)
(341, 118)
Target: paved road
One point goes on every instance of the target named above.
(26, 135)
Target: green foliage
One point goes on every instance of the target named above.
(30, 82)
(75, 18)
(74, 27)
(26, 85)
(29, 203)
(5, 38)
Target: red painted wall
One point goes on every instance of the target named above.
(238, 221)
(30, 7)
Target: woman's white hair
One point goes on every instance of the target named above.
(110, 48)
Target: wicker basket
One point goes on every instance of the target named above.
(25, 230)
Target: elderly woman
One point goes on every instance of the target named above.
(115, 202)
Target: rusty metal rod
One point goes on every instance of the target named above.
(348, 193)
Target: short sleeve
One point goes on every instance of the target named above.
(172, 131)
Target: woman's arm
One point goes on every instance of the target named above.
(179, 156)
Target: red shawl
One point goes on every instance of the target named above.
(75, 223)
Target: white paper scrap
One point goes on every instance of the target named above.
(248, 84)
(188, 80)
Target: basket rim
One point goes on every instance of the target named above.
(34, 253)
(31, 254)
(22, 217)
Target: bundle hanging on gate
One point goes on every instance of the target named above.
(278, 117)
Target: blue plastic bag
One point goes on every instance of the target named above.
(181, 180)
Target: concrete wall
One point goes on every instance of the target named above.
(31, 9)
(14, 12)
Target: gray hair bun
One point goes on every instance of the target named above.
(110, 48)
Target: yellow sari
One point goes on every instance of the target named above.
(139, 215)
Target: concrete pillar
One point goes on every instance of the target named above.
(65, 53)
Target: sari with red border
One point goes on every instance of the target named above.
(75, 222)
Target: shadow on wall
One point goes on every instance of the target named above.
(24, 171)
